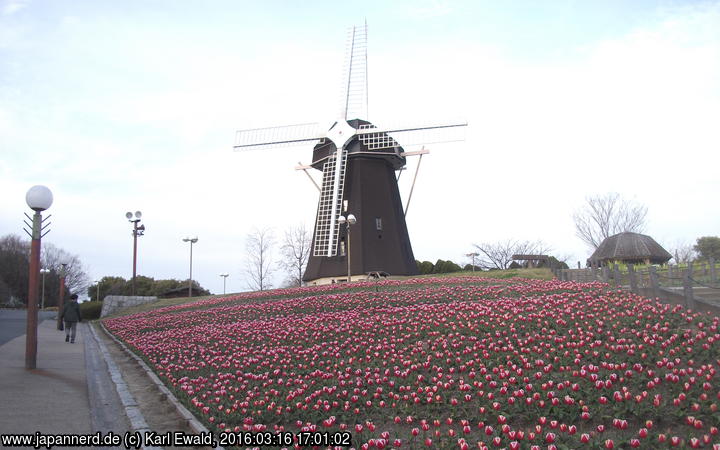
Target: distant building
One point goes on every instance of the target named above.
(629, 248)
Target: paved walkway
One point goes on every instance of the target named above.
(70, 391)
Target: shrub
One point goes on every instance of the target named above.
(90, 310)
(425, 267)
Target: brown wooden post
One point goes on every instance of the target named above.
(632, 278)
(690, 269)
(670, 271)
(687, 290)
(616, 276)
(654, 282)
(606, 274)
(713, 273)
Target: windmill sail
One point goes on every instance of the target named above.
(379, 138)
(354, 82)
(283, 136)
(331, 194)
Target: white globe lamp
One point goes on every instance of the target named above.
(39, 198)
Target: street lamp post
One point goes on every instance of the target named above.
(191, 241)
(137, 231)
(224, 277)
(61, 298)
(42, 302)
(97, 298)
(473, 255)
(38, 198)
(351, 220)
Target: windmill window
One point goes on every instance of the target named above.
(345, 205)
(342, 247)
(378, 223)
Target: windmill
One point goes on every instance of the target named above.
(358, 161)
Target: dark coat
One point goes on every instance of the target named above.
(71, 312)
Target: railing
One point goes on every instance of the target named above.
(693, 284)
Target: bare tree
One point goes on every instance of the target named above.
(682, 252)
(259, 245)
(607, 215)
(499, 255)
(295, 251)
(52, 258)
(14, 268)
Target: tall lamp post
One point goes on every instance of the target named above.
(191, 241)
(42, 302)
(38, 198)
(473, 256)
(137, 231)
(61, 297)
(97, 298)
(350, 220)
(224, 277)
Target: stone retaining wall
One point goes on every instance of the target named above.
(113, 303)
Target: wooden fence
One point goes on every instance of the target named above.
(694, 285)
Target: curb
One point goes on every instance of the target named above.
(193, 423)
(132, 410)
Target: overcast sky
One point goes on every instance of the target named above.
(124, 106)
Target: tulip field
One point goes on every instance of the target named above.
(443, 363)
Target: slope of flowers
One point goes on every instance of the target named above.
(444, 363)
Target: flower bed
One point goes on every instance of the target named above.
(444, 363)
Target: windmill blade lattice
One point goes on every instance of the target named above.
(331, 194)
(283, 136)
(354, 88)
(378, 138)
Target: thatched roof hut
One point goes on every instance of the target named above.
(629, 248)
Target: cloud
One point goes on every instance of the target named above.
(5, 122)
(633, 113)
(12, 6)
(429, 9)
(147, 123)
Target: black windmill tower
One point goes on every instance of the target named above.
(359, 162)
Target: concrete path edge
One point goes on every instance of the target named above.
(134, 415)
(192, 421)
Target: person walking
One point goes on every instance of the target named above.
(71, 316)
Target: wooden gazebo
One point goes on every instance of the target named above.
(629, 248)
